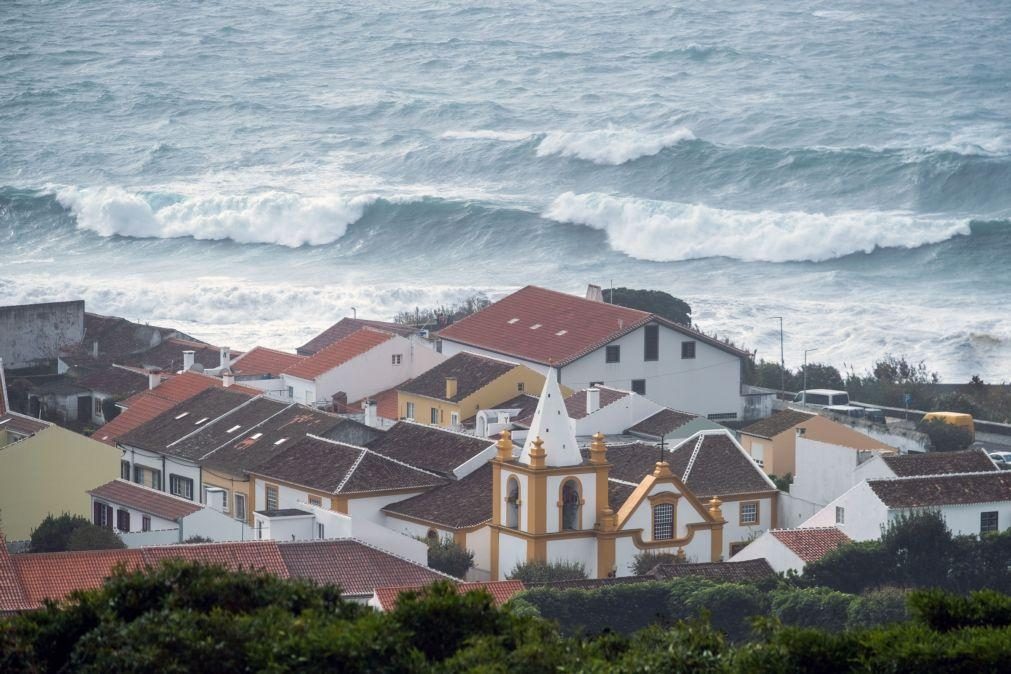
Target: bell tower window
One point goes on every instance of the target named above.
(571, 503)
(513, 503)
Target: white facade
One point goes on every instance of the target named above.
(613, 419)
(770, 548)
(380, 368)
(825, 471)
(206, 522)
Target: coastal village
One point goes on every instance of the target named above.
(545, 428)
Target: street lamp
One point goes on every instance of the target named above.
(782, 359)
(804, 394)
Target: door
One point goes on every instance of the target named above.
(84, 408)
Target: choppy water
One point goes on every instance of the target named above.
(253, 170)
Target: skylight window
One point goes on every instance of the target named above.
(535, 326)
(180, 416)
(280, 441)
(257, 436)
(234, 428)
(560, 333)
(512, 320)
(197, 423)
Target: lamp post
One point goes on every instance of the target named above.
(782, 358)
(804, 394)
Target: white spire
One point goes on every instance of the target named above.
(551, 424)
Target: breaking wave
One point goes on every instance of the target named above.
(612, 145)
(487, 134)
(664, 231)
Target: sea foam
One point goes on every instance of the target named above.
(281, 218)
(666, 231)
(611, 145)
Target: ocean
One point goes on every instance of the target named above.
(251, 171)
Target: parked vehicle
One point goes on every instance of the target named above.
(822, 397)
(1002, 459)
(953, 418)
(874, 414)
(847, 410)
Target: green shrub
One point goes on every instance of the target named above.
(946, 437)
(446, 556)
(53, 533)
(547, 572)
(880, 607)
(812, 607)
(730, 607)
(945, 612)
(90, 537)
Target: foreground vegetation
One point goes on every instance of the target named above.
(183, 617)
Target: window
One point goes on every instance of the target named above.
(259, 530)
(291, 392)
(410, 411)
(570, 503)
(145, 523)
(758, 453)
(454, 419)
(397, 358)
(102, 515)
(270, 496)
(595, 384)
(521, 387)
(308, 397)
(123, 520)
(687, 349)
(148, 477)
(124, 470)
(98, 406)
(435, 415)
(181, 486)
(737, 547)
(315, 501)
(513, 503)
(612, 354)
(722, 416)
(320, 531)
(663, 521)
(749, 513)
(639, 386)
(651, 343)
(840, 515)
(988, 522)
(240, 506)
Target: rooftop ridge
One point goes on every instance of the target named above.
(285, 408)
(444, 430)
(366, 450)
(210, 422)
(167, 494)
(937, 476)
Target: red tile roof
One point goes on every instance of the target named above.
(261, 361)
(338, 353)
(811, 544)
(54, 575)
(546, 326)
(941, 490)
(387, 404)
(147, 405)
(12, 594)
(248, 555)
(345, 327)
(145, 499)
(501, 591)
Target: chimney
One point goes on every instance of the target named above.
(94, 349)
(226, 357)
(369, 408)
(592, 400)
(227, 378)
(153, 379)
(340, 402)
(594, 293)
(188, 358)
(450, 388)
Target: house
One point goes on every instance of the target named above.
(385, 598)
(345, 327)
(926, 463)
(772, 441)
(588, 343)
(456, 389)
(144, 516)
(111, 385)
(447, 453)
(970, 503)
(667, 425)
(506, 416)
(28, 580)
(261, 368)
(180, 355)
(46, 469)
(792, 549)
(361, 364)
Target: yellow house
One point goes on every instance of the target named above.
(454, 391)
(772, 442)
(47, 469)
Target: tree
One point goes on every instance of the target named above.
(443, 314)
(880, 607)
(53, 533)
(812, 607)
(652, 301)
(820, 375)
(730, 607)
(946, 437)
(546, 572)
(446, 556)
(198, 539)
(90, 537)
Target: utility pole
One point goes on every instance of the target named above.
(804, 394)
(782, 358)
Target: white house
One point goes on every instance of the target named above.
(792, 549)
(971, 503)
(361, 364)
(588, 342)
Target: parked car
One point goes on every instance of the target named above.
(822, 397)
(1002, 459)
(874, 414)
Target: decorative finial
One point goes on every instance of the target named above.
(714, 508)
(598, 450)
(662, 469)
(537, 454)
(505, 446)
(608, 520)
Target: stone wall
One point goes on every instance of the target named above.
(33, 334)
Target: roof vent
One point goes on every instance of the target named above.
(512, 320)
(535, 326)
(560, 333)
(234, 428)
(180, 416)
(200, 421)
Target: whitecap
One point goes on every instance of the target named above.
(611, 145)
(487, 134)
(665, 231)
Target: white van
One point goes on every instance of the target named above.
(822, 397)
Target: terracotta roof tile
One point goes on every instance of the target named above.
(501, 591)
(472, 373)
(427, 447)
(354, 566)
(810, 544)
(22, 425)
(247, 555)
(263, 362)
(940, 490)
(338, 353)
(12, 594)
(54, 575)
(345, 327)
(772, 426)
(940, 463)
(662, 423)
(461, 504)
(144, 499)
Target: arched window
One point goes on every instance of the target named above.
(663, 521)
(571, 502)
(513, 503)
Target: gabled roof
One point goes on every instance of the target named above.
(461, 504)
(723, 572)
(263, 362)
(549, 327)
(662, 423)
(810, 544)
(772, 426)
(356, 567)
(429, 448)
(575, 404)
(940, 463)
(345, 327)
(248, 555)
(338, 468)
(339, 352)
(21, 424)
(12, 594)
(147, 405)
(54, 575)
(168, 355)
(501, 591)
(472, 373)
(941, 490)
(147, 500)
(116, 381)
